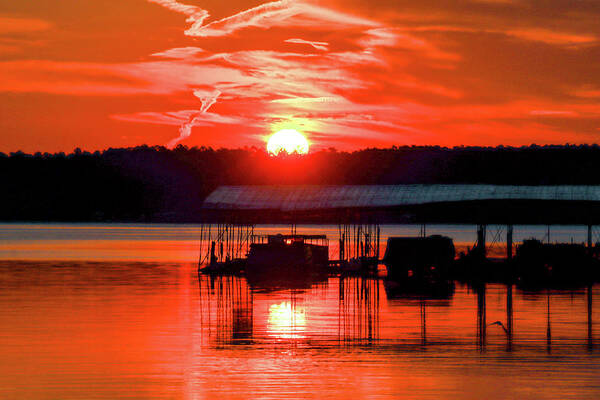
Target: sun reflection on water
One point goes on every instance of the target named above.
(286, 320)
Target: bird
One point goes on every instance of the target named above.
(501, 324)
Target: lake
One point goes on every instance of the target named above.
(104, 311)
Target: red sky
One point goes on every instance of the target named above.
(349, 74)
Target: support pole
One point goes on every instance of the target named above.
(509, 242)
(213, 255)
(200, 251)
(377, 244)
(589, 237)
(481, 228)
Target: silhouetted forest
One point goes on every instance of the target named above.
(156, 184)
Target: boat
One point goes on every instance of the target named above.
(562, 264)
(419, 259)
(287, 257)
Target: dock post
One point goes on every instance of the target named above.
(201, 238)
(377, 240)
(213, 256)
(509, 242)
(589, 237)
(481, 228)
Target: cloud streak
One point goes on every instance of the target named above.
(317, 45)
(185, 130)
(195, 14)
(276, 14)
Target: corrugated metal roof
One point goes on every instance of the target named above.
(291, 198)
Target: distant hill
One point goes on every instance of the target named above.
(156, 184)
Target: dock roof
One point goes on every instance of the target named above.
(307, 198)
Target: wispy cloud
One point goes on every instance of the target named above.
(195, 14)
(180, 52)
(316, 45)
(274, 14)
(185, 130)
(553, 37)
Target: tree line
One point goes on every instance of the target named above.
(153, 183)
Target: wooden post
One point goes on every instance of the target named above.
(201, 238)
(377, 244)
(481, 228)
(213, 256)
(589, 237)
(509, 242)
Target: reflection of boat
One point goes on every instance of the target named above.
(419, 259)
(227, 267)
(292, 258)
(400, 289)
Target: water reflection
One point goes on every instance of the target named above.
(286, 320)
(590, 318)
(81, 330)
(234, 312)
(226, 309)
(358, 309)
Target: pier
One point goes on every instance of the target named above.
(362, 212)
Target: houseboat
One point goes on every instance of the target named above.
(287, 257)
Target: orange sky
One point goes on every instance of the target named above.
(348, 74)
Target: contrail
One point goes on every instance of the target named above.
(194, 14)
(185, 130)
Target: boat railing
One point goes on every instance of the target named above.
(320, 240)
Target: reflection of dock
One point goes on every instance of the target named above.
(358, 310)
(508, 324)
(490, 317)
(226, 309)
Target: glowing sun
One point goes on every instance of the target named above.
(288, 140)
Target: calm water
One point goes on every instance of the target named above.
(118, 311)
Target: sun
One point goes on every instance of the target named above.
(288, 140)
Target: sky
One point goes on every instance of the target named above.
(347, 74)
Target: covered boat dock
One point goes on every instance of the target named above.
(368, 206)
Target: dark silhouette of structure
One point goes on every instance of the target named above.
(156, 184)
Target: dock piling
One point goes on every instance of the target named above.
(509, 242)
(481, 230)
